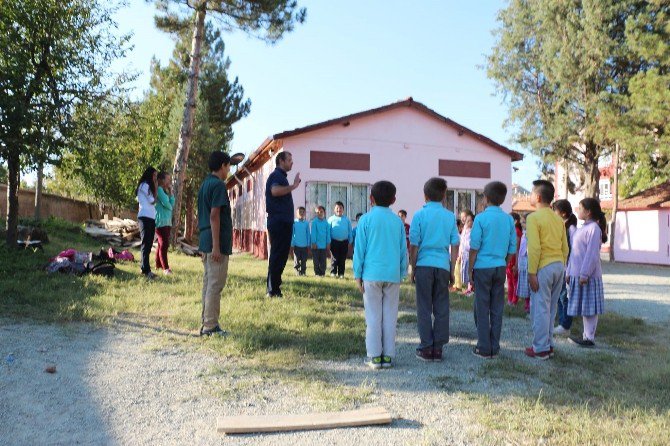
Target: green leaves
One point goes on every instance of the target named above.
(580, 76)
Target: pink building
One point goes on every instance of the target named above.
(338, 160)
(642, 230)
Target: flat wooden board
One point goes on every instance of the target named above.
(243, 424)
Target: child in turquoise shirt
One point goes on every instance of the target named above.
(300, 241)
(380, 264)
(432, 234)
(341, 235)
(320, 235)
(492, 245)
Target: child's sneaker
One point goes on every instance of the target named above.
(167, 272)
(560, 330)
(480, 354)
(374, 363)
(537, 355)
(387, 362)
(425, 354)
(437, 354)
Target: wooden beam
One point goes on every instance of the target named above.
(242, 424)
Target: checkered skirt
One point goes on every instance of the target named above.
(465, 264)
(522, 287)
(587, 299)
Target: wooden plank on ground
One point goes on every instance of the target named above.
(242, 424)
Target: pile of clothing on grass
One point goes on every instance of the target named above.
(80, 263)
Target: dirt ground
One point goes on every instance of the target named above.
(124, 384)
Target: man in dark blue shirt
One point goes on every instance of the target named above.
(279, 206)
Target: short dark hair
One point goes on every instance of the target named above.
(495, 192)
(301, 208)
(339, 203)
(359, 215)
(319, 207)
(545, 190)
(435, 189)
(218, 159)
(162, 174)
(281, 156)
(403, 212)
(383, 192)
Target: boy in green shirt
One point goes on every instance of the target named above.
(216, 240)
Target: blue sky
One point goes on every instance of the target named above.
(350, 56)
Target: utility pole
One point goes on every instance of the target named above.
(615, 200)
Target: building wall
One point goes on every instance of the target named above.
(405, 146)
(643, 237)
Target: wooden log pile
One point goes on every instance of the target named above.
(124, 233)
(116, 231)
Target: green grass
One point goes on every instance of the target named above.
(603, 396)
(616, 394)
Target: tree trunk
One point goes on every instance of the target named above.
(181, 158)
(592, 173)
(13, 182)
(38, 191)
(615, 201)
(189, 226)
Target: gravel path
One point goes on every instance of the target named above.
(126, 385)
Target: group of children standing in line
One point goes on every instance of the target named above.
(492, 248)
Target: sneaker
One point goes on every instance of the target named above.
(150, 276)
(216, 331)
(437, 354)
(582, 342)
(560, 330)
(551, 352)
(537, 355)
(333, 275)
(425, 354)
(387, 362)
(479, 354)
(469, 293)
(270, 295)
(494, 355)
(374, 363)
(341, 276)
(167, 272)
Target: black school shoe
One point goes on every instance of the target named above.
(582, 342)
(217, 331)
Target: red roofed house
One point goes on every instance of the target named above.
(642, 230)
(338, 160)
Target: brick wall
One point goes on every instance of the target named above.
(62, 207)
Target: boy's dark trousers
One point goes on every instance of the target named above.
(489, 307)
(300, 259)
(339, 249)
(564, 320)
(319, 258)
(432, 298)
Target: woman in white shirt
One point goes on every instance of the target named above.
(146, 216)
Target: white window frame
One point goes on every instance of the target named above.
(309, 207)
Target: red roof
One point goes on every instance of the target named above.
(657, 197)
(409, 102)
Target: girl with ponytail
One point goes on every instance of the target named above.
(584, 273)
(563, 209)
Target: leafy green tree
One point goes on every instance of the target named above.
(564, 69)
(55, 55)
(222, 104)
(645, 130)
(269, 19)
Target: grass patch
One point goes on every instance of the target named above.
(588, 397)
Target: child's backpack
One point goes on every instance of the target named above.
(104, 268)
